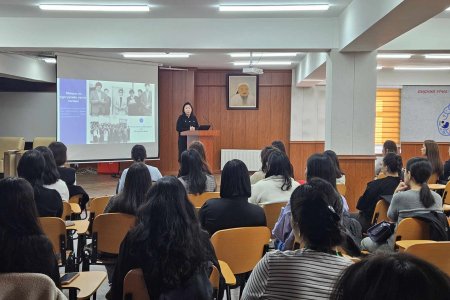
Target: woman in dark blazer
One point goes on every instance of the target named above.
(186, 121)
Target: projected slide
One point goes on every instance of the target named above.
(105, 112)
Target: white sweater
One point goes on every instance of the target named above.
(268, 190)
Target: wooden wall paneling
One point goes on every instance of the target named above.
(299, 154)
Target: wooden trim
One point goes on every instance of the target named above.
(357, 157)
(307, 142)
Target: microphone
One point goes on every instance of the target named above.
(207, 120)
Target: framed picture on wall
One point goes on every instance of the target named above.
(242, 91)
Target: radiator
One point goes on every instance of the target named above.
(251, 158)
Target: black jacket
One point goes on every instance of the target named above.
(184, 123)
(439, 229)
(48, 202)
(225, 213)
(375, 189)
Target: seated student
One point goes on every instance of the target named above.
(340, 176)
(447, 168)
(392, 277)
(280, 146)
(320, 166)
(192, 175)
(51, 178)
(31, 167)
(261, 174)
(139, 154)
(133, 195)
(68, 175)
(278, 184)
(198, 146)
(431, 150)
(388, 147)
(24, 247)
(392, 168)
(308, 273)
(232, 209)
(411, 197)
(168, 244)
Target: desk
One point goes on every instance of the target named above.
(86, 284)
(436, 186)
(75, 208)
(403, 245)
(227, 273)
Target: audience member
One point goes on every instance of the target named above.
(168, 244)
(68, 175)
(51, 177)
(278, 184)
(392, 277)
(198, 146)
(447, 168)
(280, 146)
(309, 273)
(24, 247)
(192, 176)
(392, 168)
(31, 167)
(261, 174)
(232, 209)
(139, 154)
(388, 147)
(411, 197)
(431, 150)
(340, 176)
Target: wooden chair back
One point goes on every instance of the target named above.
(435, 253)
(341, 188)
(272, 212)
(381, 175)
(55, 230)
(241, 248)
(214, 278)
(76, 198)
(109, 230)
(67, 211)
(412, 229)
(380, 212)
(96, 207)
(433, 178)
(446, 194)
(199, 200)
(134, 287)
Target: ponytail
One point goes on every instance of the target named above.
(426, 197)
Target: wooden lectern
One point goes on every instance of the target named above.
(207, 139)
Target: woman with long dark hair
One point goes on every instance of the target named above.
(168, 244)
(411, 197)
(278, 184)
(308, 273)
(261, 174)
(198, 146)
(51, 178)
(24, 247)
(340, 176)
(186, 121)
(31, 167)
(431, 150)
(392, 169)
(192, 175)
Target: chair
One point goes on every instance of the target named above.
(241, 248)
(8, 145)
(342, 189)
(43, 141)
(434, 253)
(446, 198)
(108, 232)
(55, 230)
(199, 200)
(28, 286)
(134, 287)
(433, 178)
(412, 229)
(380, 212)
(381, 175)
(97, 206)
(67, 211)
(272, 212)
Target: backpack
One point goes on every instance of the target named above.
(439, 228)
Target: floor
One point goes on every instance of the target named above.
(99, 185)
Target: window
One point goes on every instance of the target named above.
(387, 120)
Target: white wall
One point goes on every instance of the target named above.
(28, 114)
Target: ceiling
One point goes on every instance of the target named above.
(168, 9)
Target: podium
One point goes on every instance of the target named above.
(207, 139)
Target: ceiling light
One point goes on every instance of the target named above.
(430, 68)
(379, 67)
(393, 55)
(448, 9)
(262, 63)
(264, 54)
(437, 56)
(101, 8)
(155, 55)
(271, 8)
(49, 60)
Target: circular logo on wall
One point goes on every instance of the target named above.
(443, 122)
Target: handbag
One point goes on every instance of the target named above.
(380, 232)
